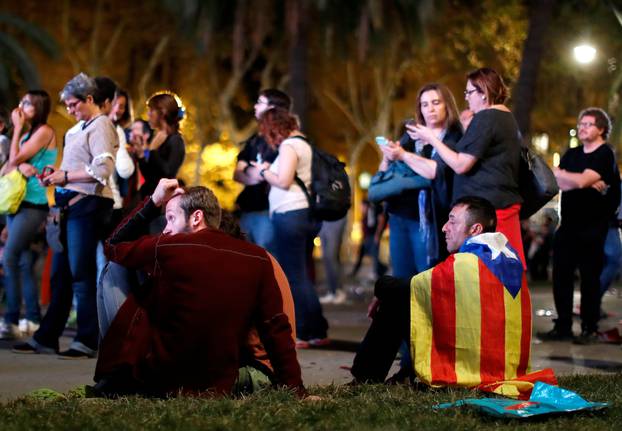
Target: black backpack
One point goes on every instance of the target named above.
(330, 197)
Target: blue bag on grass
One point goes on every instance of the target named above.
(544, 400)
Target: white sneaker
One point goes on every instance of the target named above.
(9, 331)
(329, 298)
(340, 297)
(27, 327)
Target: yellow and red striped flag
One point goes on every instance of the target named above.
(469, 328)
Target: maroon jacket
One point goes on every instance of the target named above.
(207, 290)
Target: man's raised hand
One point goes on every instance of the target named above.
(166, 190)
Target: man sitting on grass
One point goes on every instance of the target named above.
(468, 319)
(206, 289)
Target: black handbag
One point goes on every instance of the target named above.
(536, 182)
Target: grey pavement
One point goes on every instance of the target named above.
(21, 373)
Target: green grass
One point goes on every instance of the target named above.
(358, 408)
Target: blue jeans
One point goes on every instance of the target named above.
(74, 271)
(407, 247)
(115, 283)
(258, 228)
(331, 236)
(294, 232)
(18, 264)
(613, 259)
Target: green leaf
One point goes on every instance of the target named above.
(21, 59)
(42, 38)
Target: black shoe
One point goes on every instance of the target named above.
(30, 349)
(74, 354)
(24, 348)
(555, 335)
(586, 338)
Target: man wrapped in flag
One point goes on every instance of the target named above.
(468, 319)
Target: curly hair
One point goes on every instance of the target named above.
(276, 124)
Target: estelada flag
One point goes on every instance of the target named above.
(471, 316)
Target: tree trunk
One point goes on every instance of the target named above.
(297, 12)
(540, 12)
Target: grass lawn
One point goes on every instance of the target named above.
(343, 408)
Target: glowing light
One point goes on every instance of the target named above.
(364, 180)
(541, 142)
(556, 159)
(584, 53)
(317, 241)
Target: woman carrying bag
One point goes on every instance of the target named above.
(33, 146)
(83, 193)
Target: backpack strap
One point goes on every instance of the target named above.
(301, 183)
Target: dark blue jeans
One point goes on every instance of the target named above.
(75, 271)
(407, 246)
(294, 232)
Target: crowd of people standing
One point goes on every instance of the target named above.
(103, 167)
(111, 164)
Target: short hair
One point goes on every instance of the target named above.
(202, 199)
(602, 119)
(146, 127)
(452, 120)
(488, 82)
(106, 89)
(276, 124)
(479, 210)
(80, 86)
(167, 106)
(41, 102)
(277, 98)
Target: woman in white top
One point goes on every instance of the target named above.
(294, 226)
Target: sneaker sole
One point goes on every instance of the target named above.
(75, 358)
(25, 352)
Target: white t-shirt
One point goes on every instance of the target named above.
(293, 198)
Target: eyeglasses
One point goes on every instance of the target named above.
(467, 93)
(24, 103)
(72, 105)
(585, 124)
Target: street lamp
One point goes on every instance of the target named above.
(584, 53)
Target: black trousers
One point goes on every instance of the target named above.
(583, 249)
(391, 326)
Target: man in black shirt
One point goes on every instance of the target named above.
(589, 183)
(253, 201)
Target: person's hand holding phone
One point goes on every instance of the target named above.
(392, 150)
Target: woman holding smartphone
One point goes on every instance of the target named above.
(417, 216)
(487, 157)
(82, 190)
(33, 146)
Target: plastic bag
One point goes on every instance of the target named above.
(12, 191)
(545, 400)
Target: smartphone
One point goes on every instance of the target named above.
(381, 140)
(45, 172)
(410, 122)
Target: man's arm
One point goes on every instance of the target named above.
(575, 180)
(243, 173)
(128, 245)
